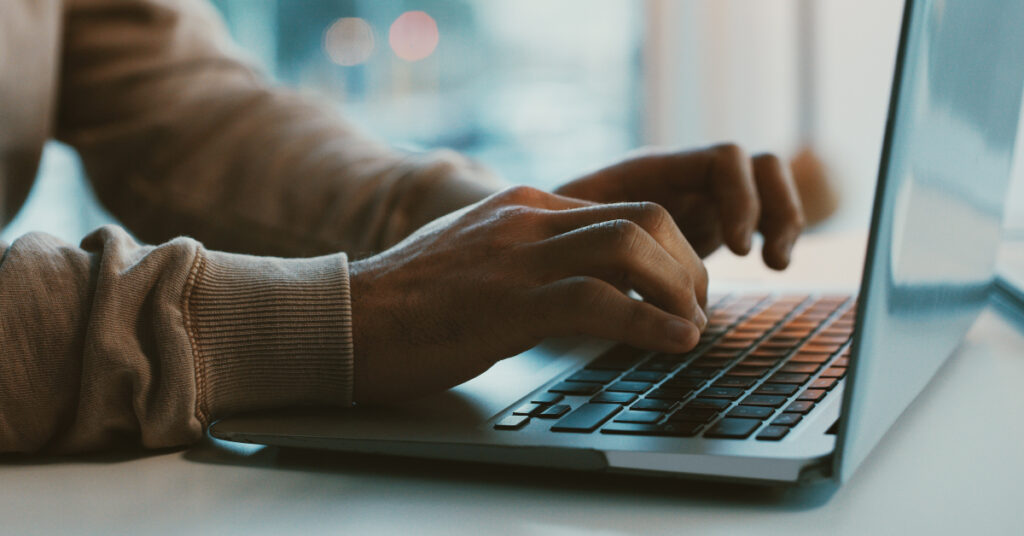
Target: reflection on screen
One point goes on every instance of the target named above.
(943, 178)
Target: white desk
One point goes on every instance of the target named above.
(954, 464)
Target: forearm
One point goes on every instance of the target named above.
(115, 343)
(180, 136)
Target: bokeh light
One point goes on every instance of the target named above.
(413, 35)
(348, 41)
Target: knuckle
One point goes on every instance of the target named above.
(651, 216)
(621, 233)
(520, 194)
(702, 278)
(769, 160)
(621, 237)
(511, 213)
(729, 151)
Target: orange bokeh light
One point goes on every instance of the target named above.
(413, 36)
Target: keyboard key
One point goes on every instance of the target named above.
(751, 412)
(783, 389)
(529, 409)
(813, 395)
(698, 415)
(698, 372)
(575, 388)
(646, 417)
(645, 376)
(679, 429)
(773, 433)
(789, 341)
(554, 412)
(764, 400)
(659, 366)
(630, 428)
(708, 403)
(750, 372)
(733, 428)
(586, 418)
(807, 357)
(824, 383)
(800, 368)
(711, 363)
(822, 348)
(760, 362)
(593, 376)
(686, 384)
(613, 398)
(512, 422)
(787, 419)
(732, 345)
(828, 339)
(653, 405)
(727, 393)
(777, 353)
(735, 381)
(629, 387)
(834, 372)
(722, 354)
(546, 398)
(800, 406)
(777, 345)
(665, 393)
(788, 377)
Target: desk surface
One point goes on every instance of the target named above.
(952, 464)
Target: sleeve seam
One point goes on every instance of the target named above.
(199, 364)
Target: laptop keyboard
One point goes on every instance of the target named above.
(761, 365)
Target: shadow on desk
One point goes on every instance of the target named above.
(481, 475)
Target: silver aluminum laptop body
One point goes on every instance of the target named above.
(944, 170)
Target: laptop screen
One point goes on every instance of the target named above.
(944, 172)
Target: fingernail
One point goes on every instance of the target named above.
(702, 319)
(680, 332)
(785, 248)
(743, 240)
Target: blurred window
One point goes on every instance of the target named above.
(538, 90)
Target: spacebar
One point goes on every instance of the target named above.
(586, 418)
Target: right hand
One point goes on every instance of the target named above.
(495, 278)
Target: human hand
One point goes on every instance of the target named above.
(716, 195)
(495, 278)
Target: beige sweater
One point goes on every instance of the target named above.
(114, 342)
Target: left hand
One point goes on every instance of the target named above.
(717, 196)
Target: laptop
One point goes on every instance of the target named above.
(1009, 285)
(782, 389)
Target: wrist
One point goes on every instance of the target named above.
(445, 181)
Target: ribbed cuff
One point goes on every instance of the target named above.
(269, 333)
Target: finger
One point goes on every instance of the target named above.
(732, 184)
(589, 306)
(782, 216)
(654, 219)
(620, 251)
(700, 223)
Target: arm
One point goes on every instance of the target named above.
(179, 136)
(114, 343)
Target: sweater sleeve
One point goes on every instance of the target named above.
(180, 135)
(114, 343)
